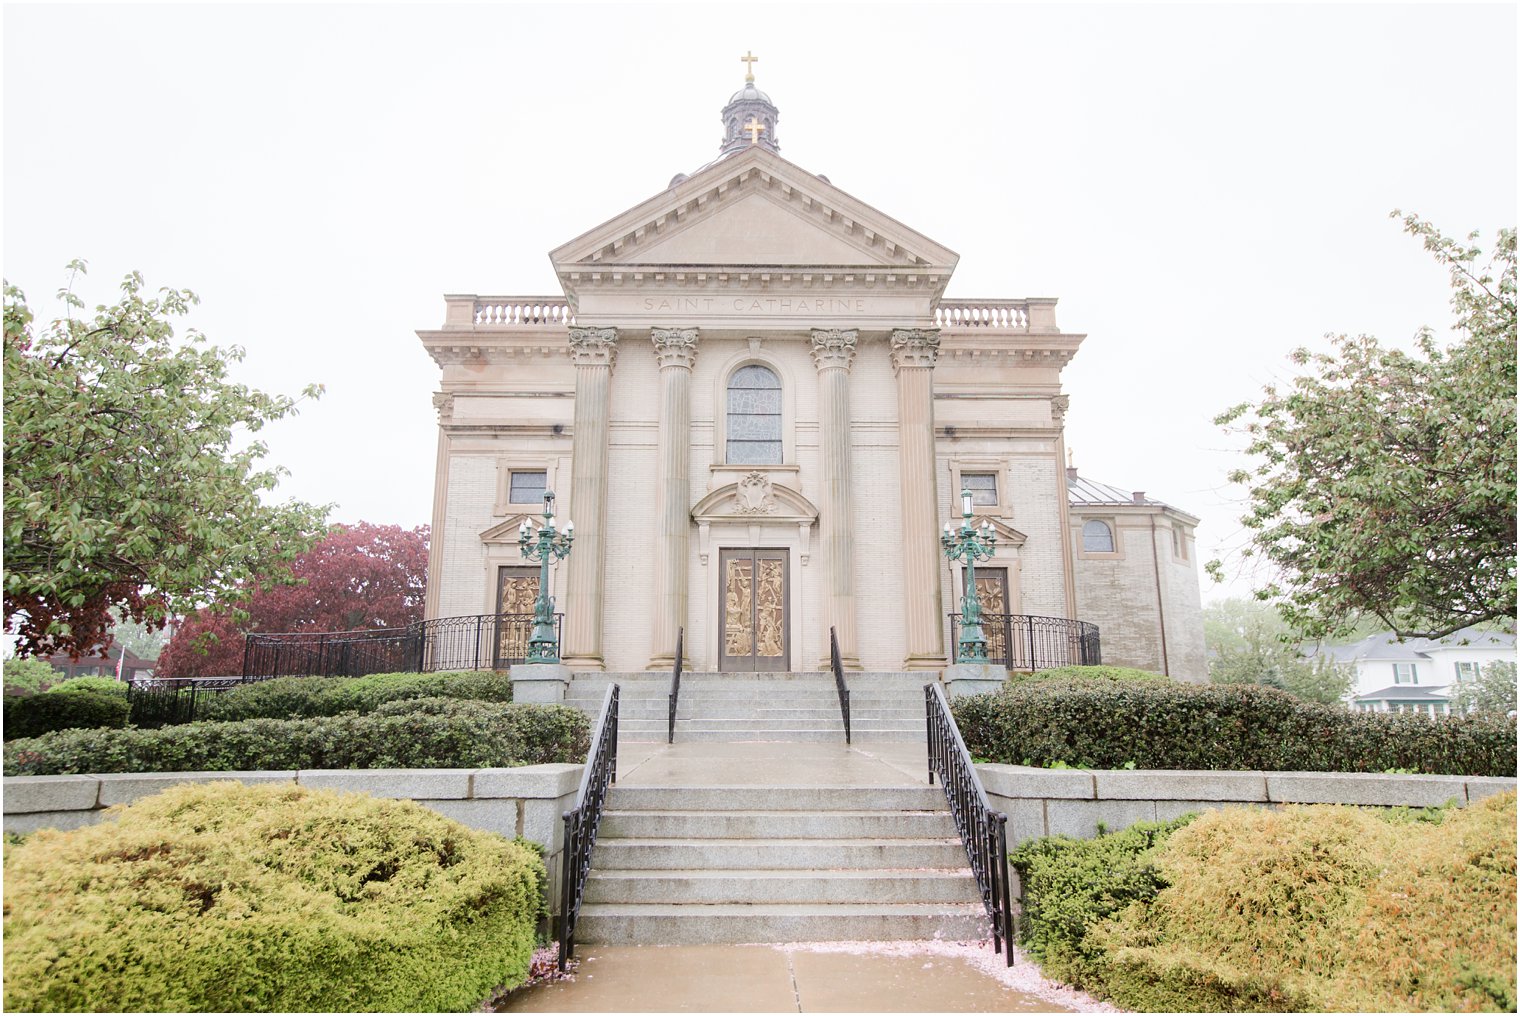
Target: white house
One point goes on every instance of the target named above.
(1417, 675)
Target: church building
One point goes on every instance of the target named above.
(759, 407)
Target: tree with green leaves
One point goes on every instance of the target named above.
(129, 482)
(1493, 692)
(1384, 481)
(1249, 643)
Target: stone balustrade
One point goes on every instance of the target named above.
(974, 316)
(469, 311)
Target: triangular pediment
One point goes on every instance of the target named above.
(754, 208)
(1007, 536)
(505, 531)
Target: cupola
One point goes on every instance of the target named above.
(750, 116)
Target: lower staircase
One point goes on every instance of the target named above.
(694, 865)
(687, 863)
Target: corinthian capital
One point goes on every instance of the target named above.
(593, 345)
(444, 403)
(914, 347)
(674, 347)
(834, 347)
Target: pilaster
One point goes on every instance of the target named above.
(675, 350)
(594, 352)
(833, 355)
(914, 353)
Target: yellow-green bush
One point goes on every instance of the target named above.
(219, 897)
(1323, 908)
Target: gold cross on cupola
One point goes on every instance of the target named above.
(749, 59)
(754, 127)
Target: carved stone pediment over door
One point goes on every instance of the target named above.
(754, 499)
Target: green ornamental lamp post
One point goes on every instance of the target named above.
(546, 546)
(969, 544)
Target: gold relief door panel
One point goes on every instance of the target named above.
(516, 589)
(752, 602)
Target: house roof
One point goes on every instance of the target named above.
(1405, 693)
(1386, 646)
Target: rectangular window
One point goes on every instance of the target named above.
(1405, 673)
(528, 486)
(1467, 671)
(983, 487)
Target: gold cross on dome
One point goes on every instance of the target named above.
(748, 60)
(754, 127)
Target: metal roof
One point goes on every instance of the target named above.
(1081, 490)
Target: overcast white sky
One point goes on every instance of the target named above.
(1203, 187)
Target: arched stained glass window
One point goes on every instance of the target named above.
(754, 417)
(1097, 538)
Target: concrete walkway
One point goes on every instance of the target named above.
(824, 977)
(771, 763)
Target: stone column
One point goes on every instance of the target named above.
(1058, 407)
(594, 350)
(675, 349)
(914, 351)
(833, 353)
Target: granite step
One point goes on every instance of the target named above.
(694, 924)
(762, 885)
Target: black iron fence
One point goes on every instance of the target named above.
(984, 832)
(582, 821)
(1027, 642)
(474, 642)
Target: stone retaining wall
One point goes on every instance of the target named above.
(526, 801)
(1072, 802)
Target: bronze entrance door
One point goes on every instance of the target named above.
(516, 589)
(752, 610)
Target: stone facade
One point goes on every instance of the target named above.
(880, 397)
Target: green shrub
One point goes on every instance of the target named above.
(289, 697)
(27, 675)
(35, 715)
(104, 685)
(422, 734)
(224, 898)
(1322, 908)
(1174, 725)
(1070, 885)
(1089, 674)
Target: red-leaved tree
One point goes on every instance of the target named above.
(359, 576)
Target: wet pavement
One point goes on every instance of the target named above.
(807, 977)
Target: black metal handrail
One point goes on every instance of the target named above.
(471, 642)
(984, 832)
(675, 683)
(839, 685)
(1030, 642)
(582, 821)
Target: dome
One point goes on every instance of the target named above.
(749, 93)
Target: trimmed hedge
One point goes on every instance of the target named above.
(35, 715)
(104, 685)
(225, 898)
(1173, 725)
(411, 734)
(1311, 909)
(290, 697)
(1099, 673)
